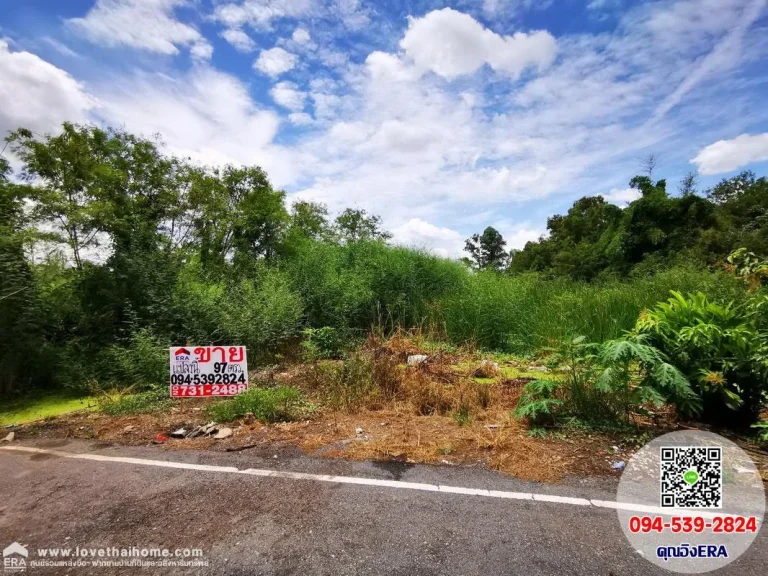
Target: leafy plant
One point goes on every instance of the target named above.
(605, 383)
(127, 402)
(539, 402)
(321, 343)
(762, 430)
(723, 349)
(749, 267)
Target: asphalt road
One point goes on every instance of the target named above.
(259, 525)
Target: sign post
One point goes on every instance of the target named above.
(208, 371)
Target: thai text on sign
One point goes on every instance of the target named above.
(208, 371)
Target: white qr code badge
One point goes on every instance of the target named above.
(690, 501)
(691, 476)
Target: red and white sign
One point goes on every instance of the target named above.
(208, 371)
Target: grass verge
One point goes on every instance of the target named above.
(266, 404)
(31, 408)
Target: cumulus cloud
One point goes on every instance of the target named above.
(35, 94)
(204, 114)
(301, 36)
(419, 233)
(300, 118)
(728, 155)
(275, 61)
(139, 24)
(261, 13)
(451, 44)
(622, 197)
(239, 39)
(287, 95)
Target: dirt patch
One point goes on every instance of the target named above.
(433, 412)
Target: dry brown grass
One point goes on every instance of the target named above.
(406, 413)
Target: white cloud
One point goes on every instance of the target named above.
(239, 39)
(622, 197)
(451, 44)
(287, 95)
(351, 13)
(728, 155)
(300, 118)
(723, 56)
(35, 94)
(601, 4)
(301, 36)
(148, 25)
(418, 233)
(261, 13)
(275, 61)
(205, 114)
(517, 235)
(201, 50)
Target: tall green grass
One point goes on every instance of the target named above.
(523, 313)
(365, 284)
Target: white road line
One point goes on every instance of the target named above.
(551, 498)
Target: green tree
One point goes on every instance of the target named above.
(487, 250)
(310, 220)
(67, 170)
(354, 225)
(236, 215)
(19, 325)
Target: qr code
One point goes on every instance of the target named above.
(691, 477)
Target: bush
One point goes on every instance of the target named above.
(266, 404)
(346, 384)
(605, 383)
(260, 313)
(723, 349)
(321, 343)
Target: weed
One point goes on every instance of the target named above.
(124, 403)
(266, 404)
(462, 415)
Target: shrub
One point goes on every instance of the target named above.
(605, 382)
(321, 343)
(259, 313)
(723, 349)
(266, 404)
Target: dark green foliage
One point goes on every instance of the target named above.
(354, 225)
(266, 404)
(487, 250)
(597, 240)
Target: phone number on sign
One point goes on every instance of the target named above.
(695, 524)
(208, 390)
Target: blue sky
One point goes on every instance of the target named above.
(442, 117)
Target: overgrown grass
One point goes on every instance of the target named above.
(143, 402)
(266, 404)
(524, 313)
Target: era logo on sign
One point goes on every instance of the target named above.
(182, 355)
(15, 558)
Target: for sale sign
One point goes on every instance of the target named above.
(208, 371)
